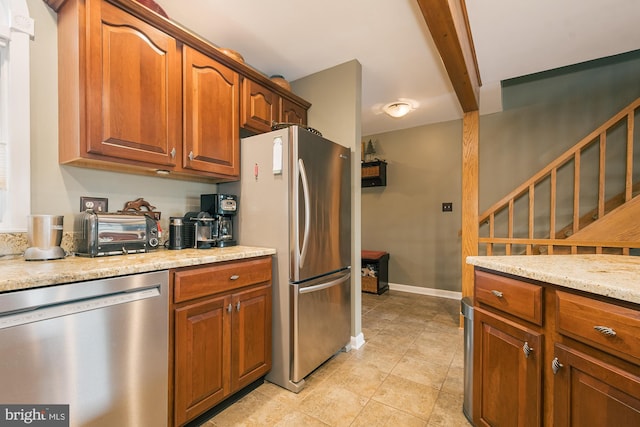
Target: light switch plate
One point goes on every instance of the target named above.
(97, 204)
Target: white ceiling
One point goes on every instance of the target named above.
(390, 39)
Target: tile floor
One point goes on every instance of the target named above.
(408, 373)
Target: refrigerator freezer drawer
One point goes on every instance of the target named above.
(321, 319)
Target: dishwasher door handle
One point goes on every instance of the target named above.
(46, 312)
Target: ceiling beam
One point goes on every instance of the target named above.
(449, 26)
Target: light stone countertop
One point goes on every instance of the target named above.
(614, 276)
(16, 273)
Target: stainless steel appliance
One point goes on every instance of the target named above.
(102, 234)
(99, 346)
(223, 207)
(295, 190)
(44, 235)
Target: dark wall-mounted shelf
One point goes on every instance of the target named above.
(374, 174)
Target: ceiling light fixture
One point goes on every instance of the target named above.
(398, 109)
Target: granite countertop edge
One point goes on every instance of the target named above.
(613, 276)
(17, 274)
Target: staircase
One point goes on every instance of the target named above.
(575, 190)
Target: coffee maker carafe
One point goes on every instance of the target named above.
(222, 207)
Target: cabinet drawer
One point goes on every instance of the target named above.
(603, 325)
(195, 282)
(520, 299)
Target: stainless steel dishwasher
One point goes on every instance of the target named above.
(100, 347)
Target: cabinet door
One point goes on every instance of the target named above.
(507, 383)
(211, 115)
(293, 113)
(133, 82)
(259, 106)
(588, 391)
(202, 340)
(251, 336)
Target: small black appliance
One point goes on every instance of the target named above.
(222, 207)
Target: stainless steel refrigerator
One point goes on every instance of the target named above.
(295, 195)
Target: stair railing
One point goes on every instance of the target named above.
(506, 205)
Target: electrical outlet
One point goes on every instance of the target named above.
(447, 207)
(97, 204)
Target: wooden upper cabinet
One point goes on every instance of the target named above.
(293, 113)
(139, 94)
(211, 96)
(260, 106)
(133, 107)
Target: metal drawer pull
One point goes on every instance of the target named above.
(238, 306)
(497, 293)
(526, 349)
(229, 308)
(234, 277)
(173, 153)
(191, 156)
(605, 331)
(556, 365)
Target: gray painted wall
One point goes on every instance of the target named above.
(544, 115)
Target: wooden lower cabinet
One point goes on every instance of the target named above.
(221, 336)
(202, 357)
(251, 336)
(507, 381)
(582, 368)
(590, 392)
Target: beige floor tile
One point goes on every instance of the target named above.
(378, 415)
(382, 357)
(363, 378)
(409, 396)
(455, 381)
(448, 411)
(333, 405)
(298, 419)
(426, 372)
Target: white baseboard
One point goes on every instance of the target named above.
(356, 342)
(425, 291)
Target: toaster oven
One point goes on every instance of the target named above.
(101, 234)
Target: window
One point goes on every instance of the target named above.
(16, 27)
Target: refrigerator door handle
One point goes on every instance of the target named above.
(315, 288)
(302, 254)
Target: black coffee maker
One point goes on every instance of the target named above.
(222, 208)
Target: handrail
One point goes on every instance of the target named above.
(574, 154)
(550, 244)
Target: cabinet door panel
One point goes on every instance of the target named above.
(507, 384)
(251, 336)
(259, 106)
(590, 392)
(293, 113)
(133, 83)
(211, 115)
(202, 339)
